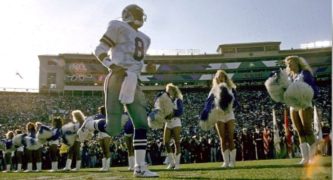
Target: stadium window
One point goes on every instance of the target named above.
(51, 78)
(228, 50)
(53, 86)
(250, 49)
(51, 63)
(272, 48)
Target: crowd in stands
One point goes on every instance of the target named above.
(17, 109)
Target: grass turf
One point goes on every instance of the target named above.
(260, 169)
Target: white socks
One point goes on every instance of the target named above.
(130, 163)
(226, 158)
(305, 153)
(232, 158)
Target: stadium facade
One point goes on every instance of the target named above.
(245, 63)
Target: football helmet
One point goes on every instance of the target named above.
(134, 14)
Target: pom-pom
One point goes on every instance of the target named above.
(214, 116)
(43, 133)
(277, 84)
(299, 95)
(163, 107)
(223, 102)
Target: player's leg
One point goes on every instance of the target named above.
(176, 135)
(114, 109)
(166, 142)
(138, 114)
(76, 153)
(221, 128)
(230, 138)
(29, 160)
(69, 159)
(54, 157)
(19, 155)
(130, 151)
(306, 117)
(296, 120)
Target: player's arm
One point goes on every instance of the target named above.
(106, 43)
(101, 53)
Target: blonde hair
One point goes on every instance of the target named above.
(38, 124)
(228, 81)
(175, 89)
(30, 126)
(78, 116)
(301, 62)
(10, 135)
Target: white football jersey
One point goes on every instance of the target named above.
(128, 46)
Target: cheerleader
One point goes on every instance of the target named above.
(299, 97)
(219, 112)
(33, 154)
(54, 142)
(19, 153)
(74, 150)
(8, 150)
(173, 126)
(104, 141)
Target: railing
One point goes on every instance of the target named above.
(9, 89)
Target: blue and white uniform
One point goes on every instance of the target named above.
(177, 112)
(301, 91)
(306, 76)
(101, 134)
(210, 104)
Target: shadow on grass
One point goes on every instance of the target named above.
(239, 167)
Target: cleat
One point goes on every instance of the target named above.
(143, 172)
(171, 166)
(74, 169)
(224, 165)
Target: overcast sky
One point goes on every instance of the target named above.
(37, 27)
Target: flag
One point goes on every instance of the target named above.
(317, 125)
(286, 127)
(288, 134)
(276, 138)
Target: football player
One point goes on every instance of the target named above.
(128, 48)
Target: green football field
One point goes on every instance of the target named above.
(260, 169)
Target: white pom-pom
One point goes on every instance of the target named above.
(299, 95)
(44, 134)
(276, 85)
(156, 119)
(69, 132)
(214, 116)
(223, 102)
(17, 140)
(162, 108)
(32, 143)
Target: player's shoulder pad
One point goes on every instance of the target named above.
(117, 24)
